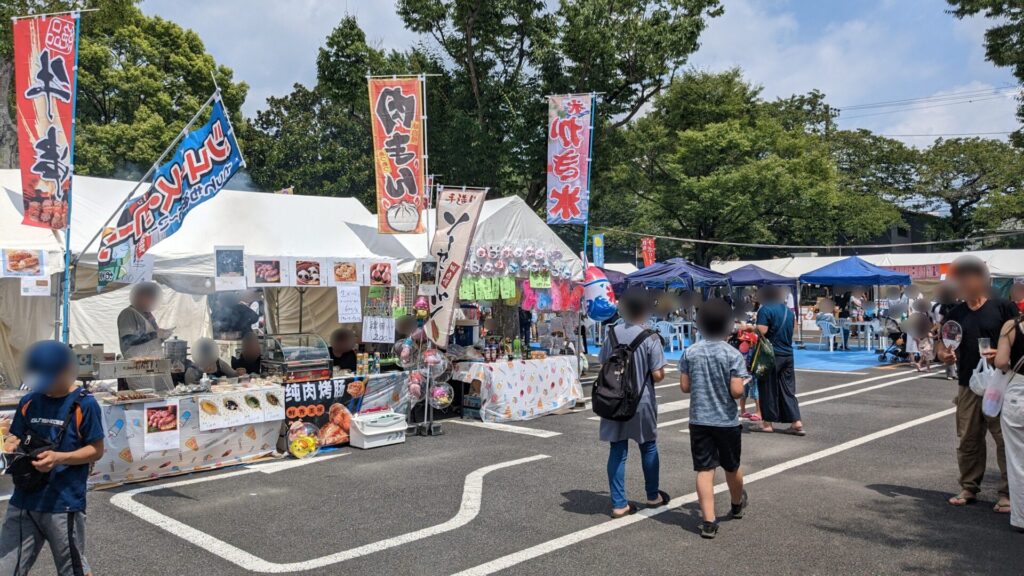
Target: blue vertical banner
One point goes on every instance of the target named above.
(599, 250)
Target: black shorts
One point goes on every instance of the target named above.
(714, 446)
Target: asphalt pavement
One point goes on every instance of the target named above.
(863, 493)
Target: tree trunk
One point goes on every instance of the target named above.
(8, 131)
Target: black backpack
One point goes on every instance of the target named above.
(616, 392)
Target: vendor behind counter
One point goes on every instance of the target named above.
(206, 361)
(250, 359)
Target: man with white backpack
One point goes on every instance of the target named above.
(979, 316)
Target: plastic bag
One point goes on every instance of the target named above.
(981, 377)
(992, 401)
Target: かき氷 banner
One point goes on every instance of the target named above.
(458, 210)
(569, 144)
(45, 82)
(202, 165)
(396, 113)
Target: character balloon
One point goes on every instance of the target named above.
(598, 295)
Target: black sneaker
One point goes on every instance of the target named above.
(709, 529)
(737, 509)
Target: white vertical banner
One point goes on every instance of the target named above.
(458, 210)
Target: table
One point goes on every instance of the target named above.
(685, 329)
(866, 332)
(132, 452)
(522, 389)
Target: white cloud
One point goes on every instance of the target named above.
(987, 114)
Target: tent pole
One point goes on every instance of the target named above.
(799, 317)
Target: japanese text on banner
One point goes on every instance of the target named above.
(569, 134)
(44, 71)
(458, 211)
(202, 165)
(396, 111)
(647, 249)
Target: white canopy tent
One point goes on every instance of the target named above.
(1002, 263)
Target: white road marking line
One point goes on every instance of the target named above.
(828, 371)
(5, 498)
(573, 538)
(825, 399)
(505, 428)
(472, 495)
(287, 464)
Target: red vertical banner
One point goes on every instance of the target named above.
(569, 145)
(396, 112)
(648, 251)
(44, 86)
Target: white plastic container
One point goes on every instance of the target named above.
(377, 429)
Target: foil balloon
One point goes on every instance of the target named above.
(598, 295)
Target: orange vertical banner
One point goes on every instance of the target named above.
(44, 81)
(396, 112)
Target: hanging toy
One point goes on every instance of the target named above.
(481, 253)
(488, 267)
(422, 307)
(555, 255)
(597, 291)
(506, 252)
(529, 253)
(544, 300)
(529, 296)
(500, 265)
(493, 251)
(474, 267)
(513, 267)
(518, 253)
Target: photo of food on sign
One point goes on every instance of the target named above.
(267, 271)
(345, 272)
(22, 263)
(230, 263)
(161, 419)
(307, 273)
(380, 274)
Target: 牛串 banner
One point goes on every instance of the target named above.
(202, 165)
(396, 112)
(44, 81)
(458, 211)
(569, 134)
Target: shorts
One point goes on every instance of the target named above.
(714, 446)
(750, 389)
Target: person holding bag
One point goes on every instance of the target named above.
(1010, 358)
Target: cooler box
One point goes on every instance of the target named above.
(377, 429)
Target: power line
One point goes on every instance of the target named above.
(948, 134)
(935, 97)
(1004, 234)
(926, 107)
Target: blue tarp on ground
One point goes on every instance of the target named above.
(854, 271)
(677, 273)
(751, 275)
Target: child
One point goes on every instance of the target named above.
(713, 372)
(925, 342)
(746, 342)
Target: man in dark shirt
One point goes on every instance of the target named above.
(979, 317)
(343, 354)
(250, 360)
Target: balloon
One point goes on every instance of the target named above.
(598, 295)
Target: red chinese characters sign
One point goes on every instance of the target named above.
(648, 251)
(44, 71)
(569, 133)
(396, 110)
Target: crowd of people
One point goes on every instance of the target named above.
(736, 361)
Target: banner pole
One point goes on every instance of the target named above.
(590, 163)
(65, 285)
(145, 177)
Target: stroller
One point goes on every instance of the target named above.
(896, 351)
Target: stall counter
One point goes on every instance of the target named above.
(213, 430)
(522, 389)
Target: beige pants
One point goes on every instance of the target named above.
(971, 426)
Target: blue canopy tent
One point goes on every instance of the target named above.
(677, 273)
(751, 275)
(854, 271)
(617, 280)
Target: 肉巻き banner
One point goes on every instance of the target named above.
(458, 211)
(203, 163)
(44, 72)
(396, 112)
(569, 134)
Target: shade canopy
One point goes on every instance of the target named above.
(616, 279)
(677, 273)
(855, 271)
(751, 275)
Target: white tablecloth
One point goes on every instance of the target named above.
(523, 389)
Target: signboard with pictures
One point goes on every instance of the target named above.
(381, 273)
(308, 272)
(346, 272)
(428, 276)
(264, 272)
(330, 404)
(35, 286)
(239, 408)
(18, 263)
(230, 268)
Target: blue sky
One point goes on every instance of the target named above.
(856, 51)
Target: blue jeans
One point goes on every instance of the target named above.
(617, 470)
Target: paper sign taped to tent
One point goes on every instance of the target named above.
(458, 211)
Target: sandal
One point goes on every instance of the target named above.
(665, 499)
(1002, 506)
(631, 509)
(964, 498)
(794, 431)
(761, 429)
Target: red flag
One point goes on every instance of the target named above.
(44, 72)
(648, 251)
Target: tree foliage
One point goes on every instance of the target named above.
(140, 80)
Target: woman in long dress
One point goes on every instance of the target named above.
(1010, 356)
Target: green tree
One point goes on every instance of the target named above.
(712, 161)
(1004, 41)
(140, 80)
(970, 181)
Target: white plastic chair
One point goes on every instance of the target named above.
(830, 331)
(672, 340)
